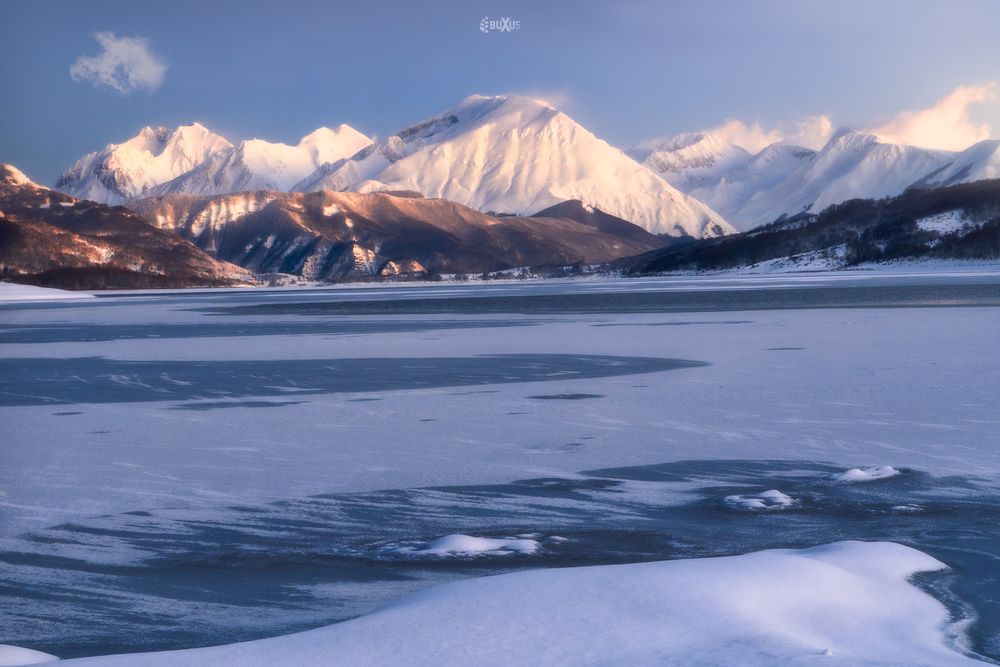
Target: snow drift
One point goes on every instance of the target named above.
(850, 600)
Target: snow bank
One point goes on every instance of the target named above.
(849, 600)
(10, 656)
(866, 474)
(15, 292)
(767, 500)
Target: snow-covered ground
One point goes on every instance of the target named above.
(15, 656)
(830, 262)
(16, 292)
(848, 603)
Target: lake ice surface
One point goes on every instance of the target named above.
(151, 441)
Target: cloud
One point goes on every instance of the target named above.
(557, 98)
(811, 132)
(124, 64)
(752, 137)
(947, 125)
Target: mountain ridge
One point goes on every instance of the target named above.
(330, 236)
(955, 222)
(51, 238)
(514, 154)
(783, 179)
(507, 154)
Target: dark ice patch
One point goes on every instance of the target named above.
(49, 381)
(565, 397)
(219, 405)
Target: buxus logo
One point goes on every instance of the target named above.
(505, 24)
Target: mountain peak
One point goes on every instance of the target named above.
(692, 159)
(327, 145)
(155, 155)
(323, 133)
(517, 154)
(258, 164)
(477, 100)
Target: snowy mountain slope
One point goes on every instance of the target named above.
(518, 155)
(262, 165)
(978, 162)
(691, 160)
(786, 180)
(737, 189)
(721, 174)
(120, 172)
(851, 166)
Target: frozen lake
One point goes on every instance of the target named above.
(183, 469)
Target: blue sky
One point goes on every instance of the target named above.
(626, 70)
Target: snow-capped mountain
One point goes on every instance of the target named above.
(851, 166)
(691, 160)
(514, 154)
(125, 171)
(785, 179)
(262, 165)
(721, 174)
(734, 190)
(977, 162)
(193, 159)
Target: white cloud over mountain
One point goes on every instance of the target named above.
(752, 137)
(811, 132)
(124, 64)
(947, 125)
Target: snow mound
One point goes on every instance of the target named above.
(767, 500)
(15, 292)
(11, 656)
(851, 600)
(458, 545)
(866, 474)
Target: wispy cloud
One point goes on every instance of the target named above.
(811, 132)
(124, 64)
(947, 125)
(752, 137)
(554, 97)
